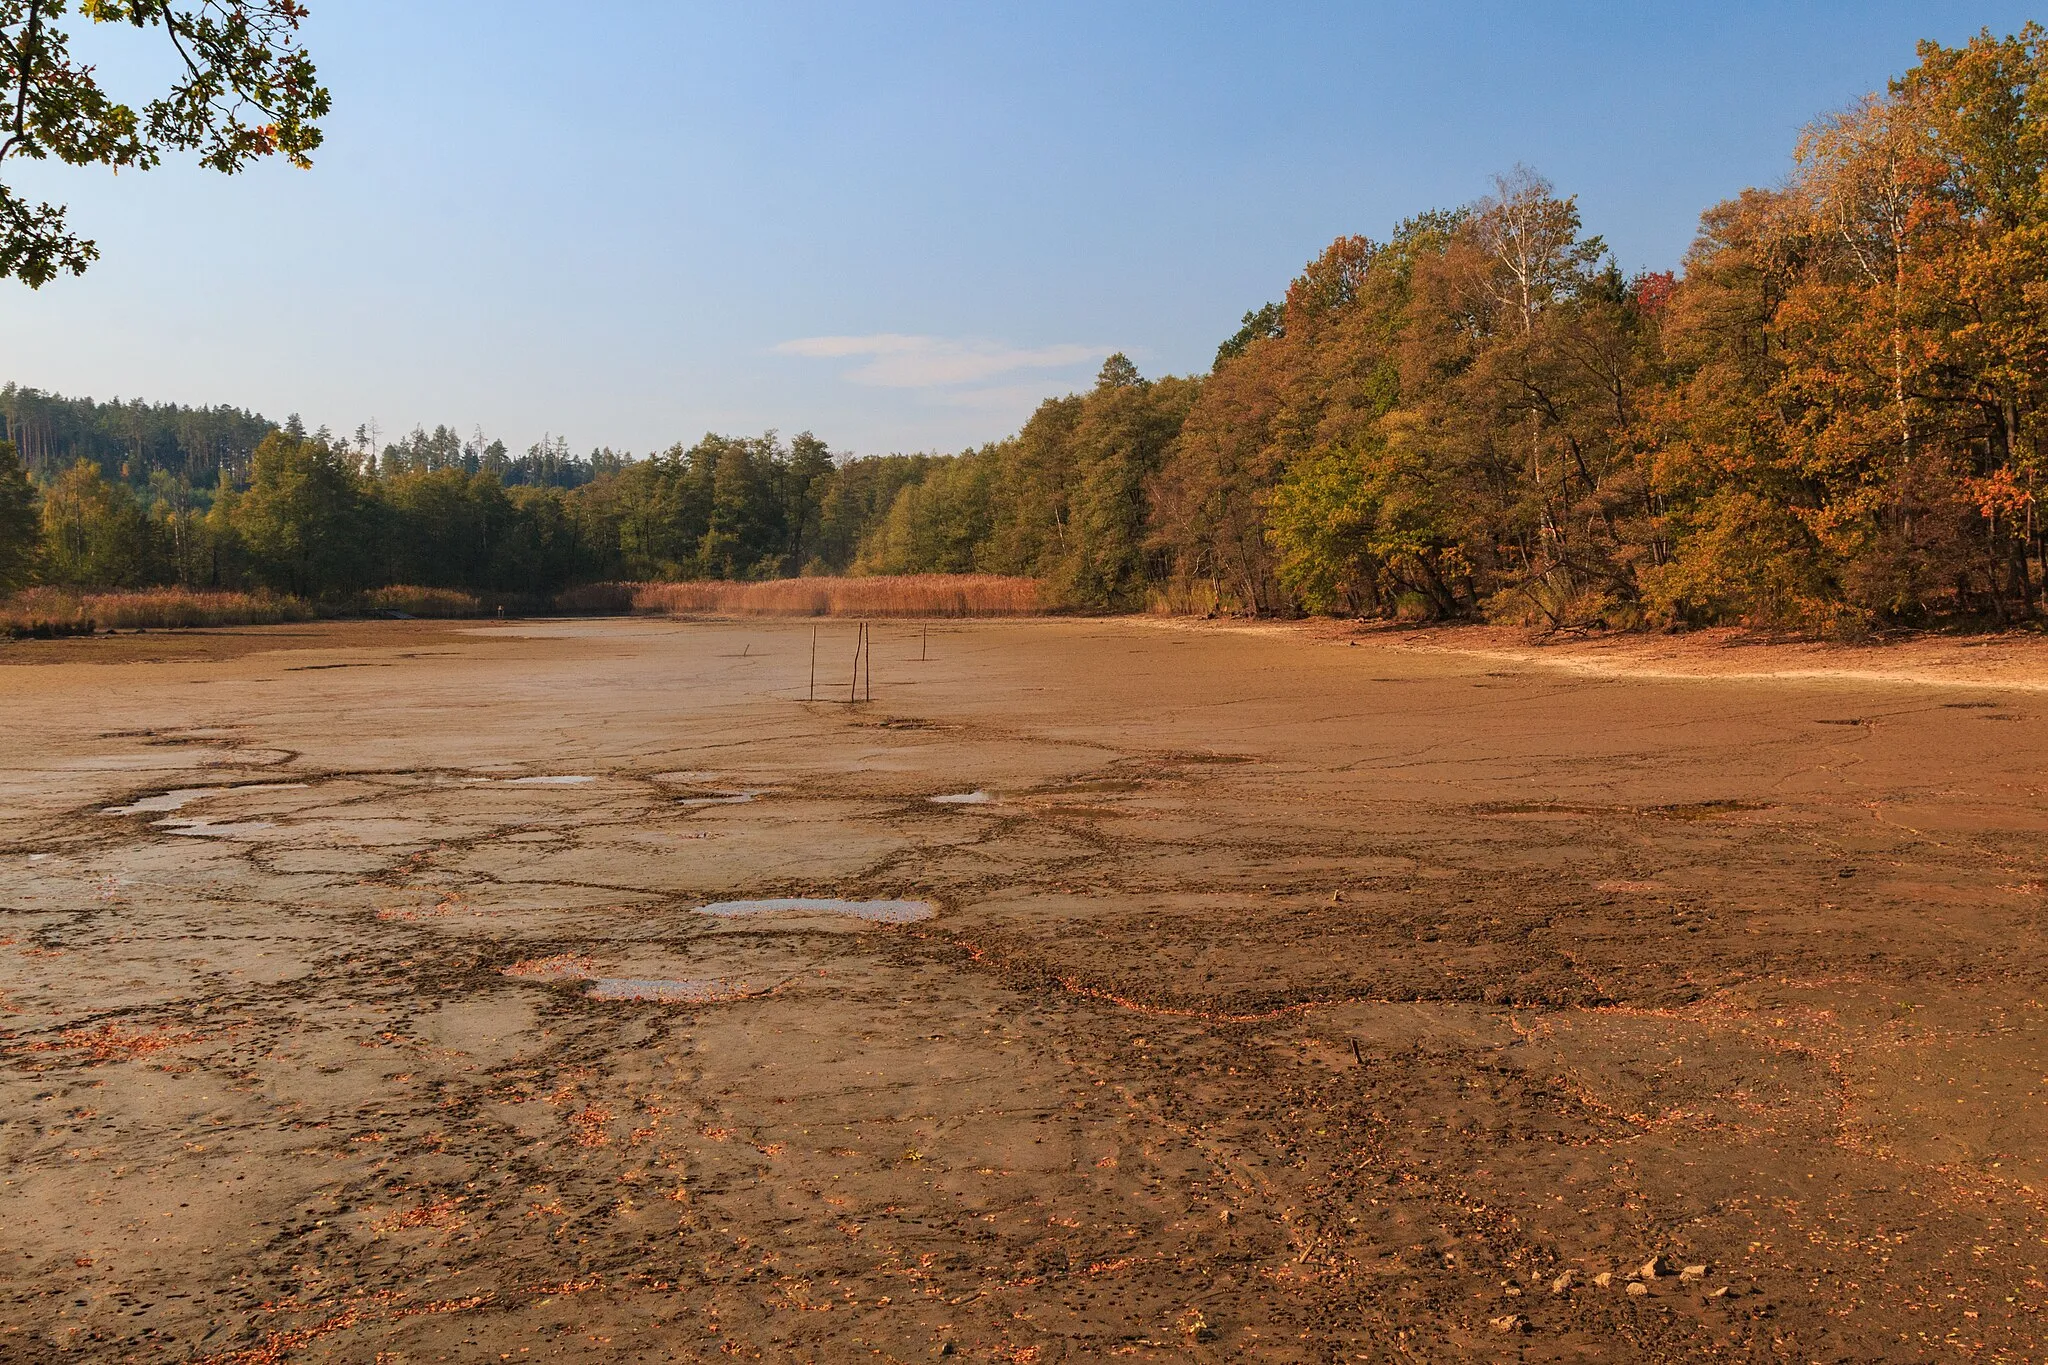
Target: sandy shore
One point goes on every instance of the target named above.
(1286, 994)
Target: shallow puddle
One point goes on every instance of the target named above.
(185, 796)
(697, 992)
(880, 912)
(962, 799)
(573, 780)
(723, 799)
(172, 800)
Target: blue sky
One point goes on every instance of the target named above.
(898, 225)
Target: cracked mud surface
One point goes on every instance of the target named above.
(1286, 1001)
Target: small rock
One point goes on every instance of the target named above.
(1604, 1279)
(1692, 1274)
(1720, 1293)
(947, 1348)
(1509, 1322)
(1226, 1215)
(1650, 1269)
(1637, 1289)
(1562, 1282)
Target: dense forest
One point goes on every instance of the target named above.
(1830, 417)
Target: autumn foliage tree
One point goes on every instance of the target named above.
(1851, 433)
(1831, 419)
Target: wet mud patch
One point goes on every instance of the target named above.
(1704, 810)
(868, 911)
(214, 829)
(718, 798)
(1561, 810)
(582, 969)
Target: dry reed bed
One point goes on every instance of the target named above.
(73, 611)
(69, 611)
(905, 595)
(76, 611)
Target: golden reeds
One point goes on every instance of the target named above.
(900, 595)
(70, 611)
(67, 610)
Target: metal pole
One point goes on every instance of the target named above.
(814, 663)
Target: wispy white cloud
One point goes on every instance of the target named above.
(891, 360)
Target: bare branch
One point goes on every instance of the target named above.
(22, 69)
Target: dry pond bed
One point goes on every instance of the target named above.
(405, 992)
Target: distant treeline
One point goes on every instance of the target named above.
(149, 444)
(1832, 417)
(317, 518)
(130, 441)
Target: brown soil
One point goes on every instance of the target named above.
(1295, 998)
(233, 642)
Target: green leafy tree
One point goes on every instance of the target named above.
(1127, 425)
(543, 549)
(94, 534)
(19, 524)
(444, 529)
(1065, 500)
(1261, 324)
(855, 499)
(305, 519)
(1033, 526)
(245, 90)
(805, 476)
(177, 512)
(939, 524)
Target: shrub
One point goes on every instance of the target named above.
(411, 601)
(597, 598)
